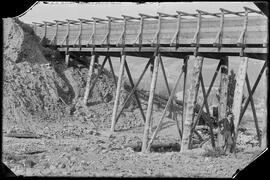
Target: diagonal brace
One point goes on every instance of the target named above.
(135, 93)
(133, 90)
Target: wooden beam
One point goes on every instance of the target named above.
(184, 69)
(253, 110)
(223, 93)
(88, 82)
(151, 76)
(117, 96)
(265, 119)
(193, 92)
(238, 95)
(180, 52)
(150, 104)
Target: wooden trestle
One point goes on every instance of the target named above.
(191, 37)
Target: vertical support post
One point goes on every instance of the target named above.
(118, 90)
(222, 113)
(264, 124)
(78, 38)
(177, 33)
(123, 34)
(151, 76)
(35, 27)
(92, 38)
(218, 39)
(155, 40)
(67, 58)
(150, 104)
(193, 92)
(54, 39)
(184, 68)
(238, 95)
(45, 33)
(66, 38)
(90, 72)
(140, 34)
(96, 65)
(196, 38)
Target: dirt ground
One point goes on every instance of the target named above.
(43, 99)
(75, 148)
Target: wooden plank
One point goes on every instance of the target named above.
(223, 93)
(88, 82)
(150, 105)
(193, 92)
(238, 95)
(117, 96)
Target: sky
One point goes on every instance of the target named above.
(68, 10)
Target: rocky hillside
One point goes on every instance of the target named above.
(36, 86)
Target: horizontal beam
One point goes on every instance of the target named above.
(231, 12)
(166, 15)
(130, 17)
(172, 49)
(148, 16)
(147, 52)
(115, 18)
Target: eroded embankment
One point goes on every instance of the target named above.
(39, 87)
